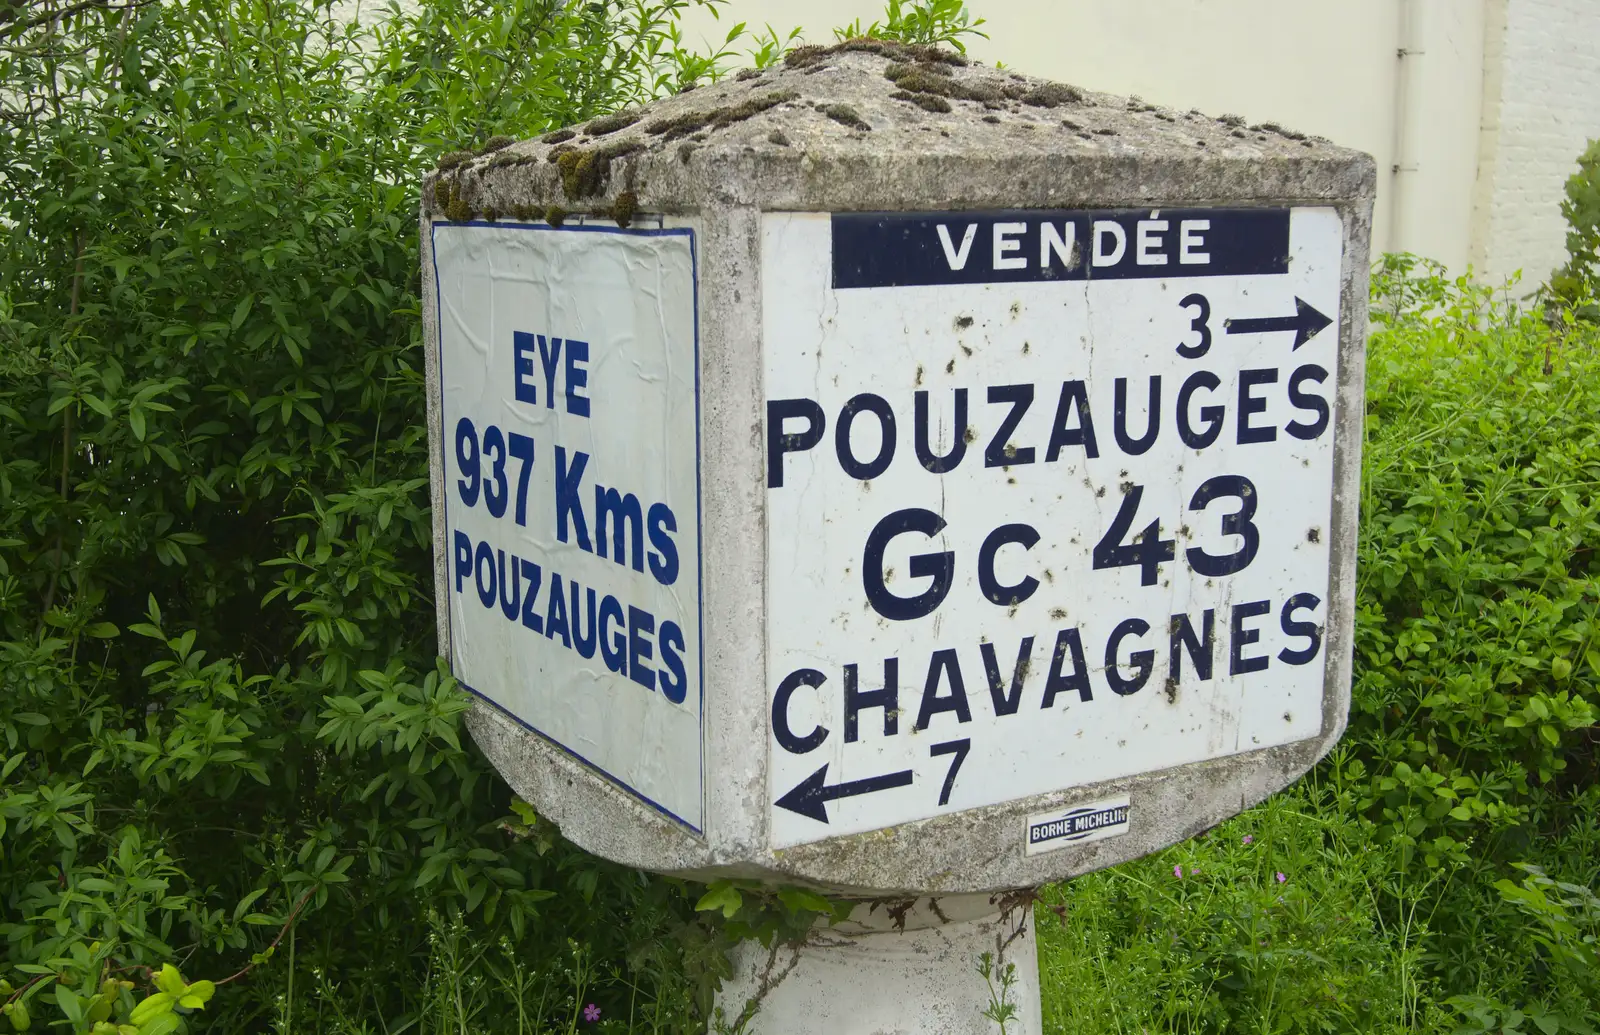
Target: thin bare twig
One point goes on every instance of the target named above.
(281, 932)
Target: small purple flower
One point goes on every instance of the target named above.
(1177, 871)
(591, 1013)
(1281, 878)
(1248, 839)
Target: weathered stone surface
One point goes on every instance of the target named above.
(866, 130)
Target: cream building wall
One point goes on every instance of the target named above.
(1475, 110)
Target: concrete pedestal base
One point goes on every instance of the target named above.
(895, 968)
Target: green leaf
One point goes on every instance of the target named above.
(800, 900)
(152, 1006)
(198, 995)
(169, 980)
(720, 896)
(71, 1003)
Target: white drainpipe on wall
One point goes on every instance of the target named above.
(1407, 120)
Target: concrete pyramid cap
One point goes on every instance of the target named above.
(870, 124)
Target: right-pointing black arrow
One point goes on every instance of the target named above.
(810, 798)
(1305, 323)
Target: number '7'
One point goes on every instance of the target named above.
(522, 448)
(958, 748)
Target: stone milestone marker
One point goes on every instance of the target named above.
(902, 478)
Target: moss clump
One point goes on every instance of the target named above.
(490, 213)
(1052, 95)
(555, 215)
(559, 136)
(454, 159)
(611, 123)
(495, 143)
(441, 192)
(747, 74)
(845, 115)
(458, 211)
(559, 150)
(1273, 127)
(927, 78)
(717, 118)
(805, 57)
(624, 208)
(925, 101)
(680, 125)
(584, 172)
(579, 173)
(522, 212)
(778, 137)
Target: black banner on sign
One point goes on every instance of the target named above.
(903, 249)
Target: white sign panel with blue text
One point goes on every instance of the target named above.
(568, 372)
(1048, 498)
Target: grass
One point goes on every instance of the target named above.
(1275, 921)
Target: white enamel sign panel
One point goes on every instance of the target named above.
(1048, 498)
(568, 371)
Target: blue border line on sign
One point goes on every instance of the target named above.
(694, 267)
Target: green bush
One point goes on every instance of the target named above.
(1577, 284)
(1478, 633)
(1272, 922)
(220, 708)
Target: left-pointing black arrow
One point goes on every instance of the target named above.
(810, 798)
(1305, 323)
